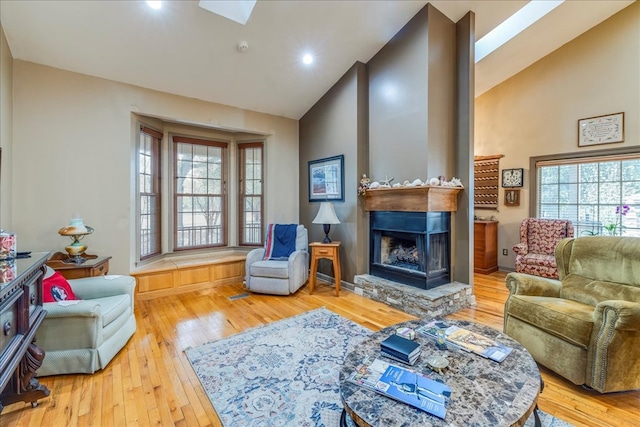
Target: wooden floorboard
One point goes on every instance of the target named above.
(151, 383)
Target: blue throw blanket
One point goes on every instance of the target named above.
(281, 241)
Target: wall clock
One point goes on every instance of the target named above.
(512, 178)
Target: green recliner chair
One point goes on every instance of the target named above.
(586, 325)
(83, 336)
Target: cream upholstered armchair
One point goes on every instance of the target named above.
(538, 240)
(83, 336)
(282, 266)
(586, 325)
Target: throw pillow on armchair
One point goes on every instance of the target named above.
(56, 288)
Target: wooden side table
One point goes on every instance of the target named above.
(93, 266)
(329, 251)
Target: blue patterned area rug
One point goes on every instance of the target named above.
(281, 374)
(284, 373)
(547, 420)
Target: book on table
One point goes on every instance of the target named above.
(412, 361)
(404, 385)
(467, 340)
(399, 348)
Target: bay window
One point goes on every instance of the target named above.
(199, 193)
(149, 217)
(251, 203)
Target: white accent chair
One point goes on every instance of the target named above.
(279, 277)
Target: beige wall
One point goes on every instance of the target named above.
(74, 141)
(536, 112)
(6, 131)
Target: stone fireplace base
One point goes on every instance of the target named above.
(428, 303)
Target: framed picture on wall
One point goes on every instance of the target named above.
(601, 130)
(512, 178)
(326, 179)
(512, 197)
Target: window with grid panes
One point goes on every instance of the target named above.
(250, 206)
(199, 193)
(149, 227)
(600, 195)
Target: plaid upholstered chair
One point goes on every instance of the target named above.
(538, 240)
(282, 266)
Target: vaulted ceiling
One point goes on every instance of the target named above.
(186, 50)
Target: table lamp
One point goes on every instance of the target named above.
(76, 230)
(326, 216)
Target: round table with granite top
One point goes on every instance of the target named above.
(483, 392)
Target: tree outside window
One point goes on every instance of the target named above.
(600, 196)
(199, 193)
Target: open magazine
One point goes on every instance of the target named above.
(467, 340)
(404, 385)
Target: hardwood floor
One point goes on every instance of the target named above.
(150, 382)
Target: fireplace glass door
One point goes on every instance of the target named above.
(402, 250)
(411, 247)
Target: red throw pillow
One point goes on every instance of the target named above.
(56, 288)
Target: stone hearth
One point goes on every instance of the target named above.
(429, 303)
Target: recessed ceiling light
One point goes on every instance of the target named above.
(154, 4)
(307, 59)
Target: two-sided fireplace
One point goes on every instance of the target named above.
(411, 247)
(410, 234)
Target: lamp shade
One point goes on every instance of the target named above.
(326, 214)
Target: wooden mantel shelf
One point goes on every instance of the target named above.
(424, 198)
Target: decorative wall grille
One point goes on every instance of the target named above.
(486, 181)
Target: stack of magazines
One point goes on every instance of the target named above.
(466, 340)
(401, 349)
(404, 385)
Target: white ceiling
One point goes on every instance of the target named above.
(186, 50)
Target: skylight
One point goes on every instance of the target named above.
(512, 26)
(154, 4)
(236, 10)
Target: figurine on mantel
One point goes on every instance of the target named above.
(455, 182)
(440, 181)
(386, 183)
(365, 183)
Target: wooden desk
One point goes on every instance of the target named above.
(93, 266)
(329, 251)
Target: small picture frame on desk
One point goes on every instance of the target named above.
(512, 197)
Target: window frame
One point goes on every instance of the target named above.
(242, 146)
(156, 166)
(576, 157)
(224, 145)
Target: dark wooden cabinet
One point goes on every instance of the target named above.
(485, 246)
(21, 314)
